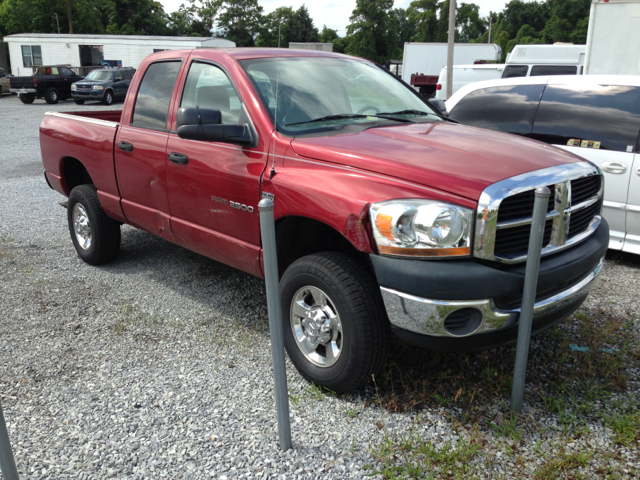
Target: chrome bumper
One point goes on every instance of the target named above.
(23, 90)
(427, 317)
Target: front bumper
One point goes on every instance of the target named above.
(468, 305)
(87, 95)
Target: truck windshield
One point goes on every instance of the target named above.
(99, 75)
(324, 94)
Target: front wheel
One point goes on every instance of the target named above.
(27, 98)
(108, 98)
(95, 236)
(51, 96)
(335, 326)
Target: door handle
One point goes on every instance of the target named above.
(125, 146)
(178, 158)
(614, 167)
(638, 171)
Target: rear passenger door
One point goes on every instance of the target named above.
(140, 151)
(600, 123)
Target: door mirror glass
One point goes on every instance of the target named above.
(205, 124)
(438, 105)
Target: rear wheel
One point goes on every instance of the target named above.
(78, 102)
(95, 236)
(51, 96)
(27, 98)
(335, 326)
(108, 98)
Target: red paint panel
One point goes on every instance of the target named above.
(201, 193)
(111, 205)
(90, 143)
(108, 115)
(225, 249)
(148, 219)
(142, 177)
(445, 156)
(55, 181)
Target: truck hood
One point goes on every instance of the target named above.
(446, 156)
(92, 82)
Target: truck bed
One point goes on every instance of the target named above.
(89, 138)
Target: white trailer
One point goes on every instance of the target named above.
(86, 52)
(422, 62)
(613, 38)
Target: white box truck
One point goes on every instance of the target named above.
(613, 38)
(422, 62)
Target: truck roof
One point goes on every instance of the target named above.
(252, 52)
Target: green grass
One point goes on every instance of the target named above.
(411, 457)
(564, 465)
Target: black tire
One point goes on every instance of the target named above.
(51, 96)
(27, 98)
(108, 98)
(104, 231)
(78, 102)
(352, 291)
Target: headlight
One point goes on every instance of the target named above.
(74, 87)
(98, 87)
(421, 228)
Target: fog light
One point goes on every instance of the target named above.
(463, 322)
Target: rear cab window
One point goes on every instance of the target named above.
(539, 70)
(607, 114)
(511, 71)
(510, 109)
(154, 96)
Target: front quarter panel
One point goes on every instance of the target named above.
(340, 196)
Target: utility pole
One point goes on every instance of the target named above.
(69, 16)
(55, 15)
(279, 32)
(490, 21)
(452, 39)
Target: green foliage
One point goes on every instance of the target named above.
(195, 20)
(372, 31)
(241, 21)
(302, 28)
(328, 35)
(294, 26)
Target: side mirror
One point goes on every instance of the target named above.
(204, 124)
(439, 106)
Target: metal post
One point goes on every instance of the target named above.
(529, 296)
(7, 463)
(452, 39)
(268, 231)
(490, 22)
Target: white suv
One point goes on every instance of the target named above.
(594, 116)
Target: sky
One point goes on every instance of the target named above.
(335, 13)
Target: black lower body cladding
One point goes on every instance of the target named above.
(492, 288)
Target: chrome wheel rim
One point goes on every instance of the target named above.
(108, 98)
(81, 226)
(316, 326)
(54, 96)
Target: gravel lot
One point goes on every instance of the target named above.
(158, 364)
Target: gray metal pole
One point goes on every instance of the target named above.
(7, 463)
(268, 231)
(529, 296)
(452, 39)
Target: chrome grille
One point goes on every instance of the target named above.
(503, 221)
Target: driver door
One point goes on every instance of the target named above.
(214, 187)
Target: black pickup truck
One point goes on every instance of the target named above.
(52, 83)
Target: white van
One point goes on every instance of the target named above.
(465, 74)
(538, 60)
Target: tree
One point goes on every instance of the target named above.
(241, 21)
(137, 17)
(195, 20)
(328, 35)
(302, 28)
(372, 31)
(276, 23)
(565, 15)
(405, 25)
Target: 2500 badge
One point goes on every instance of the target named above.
(238, 205)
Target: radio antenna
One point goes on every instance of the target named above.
(275, 113)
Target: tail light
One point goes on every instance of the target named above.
(439, 86)
(35, 82)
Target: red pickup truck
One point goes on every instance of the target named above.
(389, 217)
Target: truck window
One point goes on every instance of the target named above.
(154, 96)
(538, 70)
(207, 86)
(515, 71)
(126, 74)
(47, 71)
(508, 109)
(600, 113)
(66, 71)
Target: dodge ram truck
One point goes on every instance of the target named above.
(389, 217)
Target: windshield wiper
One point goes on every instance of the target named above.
(407, 112)
(349, 115)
